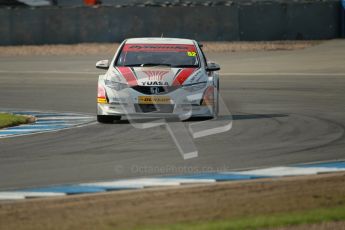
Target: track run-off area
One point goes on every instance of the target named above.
(287, 108)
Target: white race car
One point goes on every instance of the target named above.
(157, 77)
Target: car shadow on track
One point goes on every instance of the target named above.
(199, 119)
(257, 116)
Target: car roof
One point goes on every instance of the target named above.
(153, 40)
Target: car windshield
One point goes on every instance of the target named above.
(158, 54)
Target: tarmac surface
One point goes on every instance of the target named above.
(287, 107)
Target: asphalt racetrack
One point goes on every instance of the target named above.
(287, 106)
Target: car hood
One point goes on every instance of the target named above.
(157, 76)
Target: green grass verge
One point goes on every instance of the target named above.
(259, 222)
(7, 120)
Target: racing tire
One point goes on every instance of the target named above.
(107, 119)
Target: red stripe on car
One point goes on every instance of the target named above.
(128, 74)
(183, 75)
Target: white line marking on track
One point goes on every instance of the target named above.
(63, 118)
(50, 131)
(22, 195)
(149, 182)
(287, 171)
(21, 130)
(47, 122)
(141, 183)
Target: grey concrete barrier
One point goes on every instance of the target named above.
(289, 20)
(262, 21)
(247, 20)
(319, 20)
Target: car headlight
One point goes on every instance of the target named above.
(115, 85)
(194, 87)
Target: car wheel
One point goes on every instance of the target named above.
(107, 119)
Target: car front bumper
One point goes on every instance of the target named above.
(127, 102)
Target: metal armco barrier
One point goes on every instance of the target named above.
(246, 20)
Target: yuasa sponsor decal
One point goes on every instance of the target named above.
(154, 83)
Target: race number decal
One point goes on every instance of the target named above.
(191, 54)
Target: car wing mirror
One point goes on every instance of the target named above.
(103, 64)
(211, 66)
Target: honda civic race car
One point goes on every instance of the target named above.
(157, 77)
